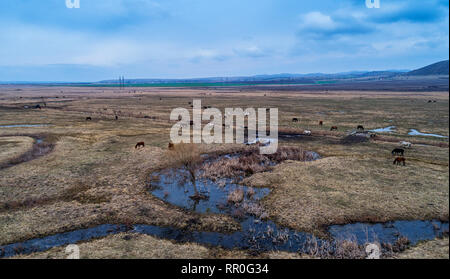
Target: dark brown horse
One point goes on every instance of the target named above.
(88, 118)
(171, 146)
(139, 144)
(320, 123)
(400, 160)
(334, 128)
(398, 151)
(360, 127)
(294, 119)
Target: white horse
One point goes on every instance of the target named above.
(405, 144)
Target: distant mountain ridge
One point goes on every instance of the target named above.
(284, 78)
(439, 68)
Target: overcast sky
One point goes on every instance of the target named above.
(46, 41)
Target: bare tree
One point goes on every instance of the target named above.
(188, 157)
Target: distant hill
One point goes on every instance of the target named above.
(439, 68)
(269, 79)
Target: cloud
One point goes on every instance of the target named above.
(317, 25)
(410, 11)
(252, 51)
(101, 15)
(185, 38)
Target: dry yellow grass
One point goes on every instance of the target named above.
(94, 175)
(12, 147)
(433, 249)
(309, 196)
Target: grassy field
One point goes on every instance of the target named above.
(94, 175)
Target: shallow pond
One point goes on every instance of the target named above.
(175, 189)
(389, 129)
(414, 132)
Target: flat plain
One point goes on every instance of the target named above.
(89, 173)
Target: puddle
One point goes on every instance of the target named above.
(389, 232)
(173, 188)
(414, 132)
(389, 129)
(25, 126)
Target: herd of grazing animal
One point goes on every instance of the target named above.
(399, 152)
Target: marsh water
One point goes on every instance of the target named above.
(257, 232)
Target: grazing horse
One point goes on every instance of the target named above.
(171, 146)
(139, 144)
(307, 132)
(117, 117)
(405, 144)
(334, 128)
(294, 119)
(398, 151)
(360, 127)
(88, 118)
(400, 160)
(320, 123)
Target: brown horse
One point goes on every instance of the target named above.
(171, 146)
(139, 144)
(320, 123)
(334, 128)
(360, 127)
(400, 160)
(88, 118)
(294, 119)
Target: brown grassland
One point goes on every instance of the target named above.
(93, 174)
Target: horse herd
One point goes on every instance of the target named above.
(400, 160)
(400, 152)
(333, 128)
